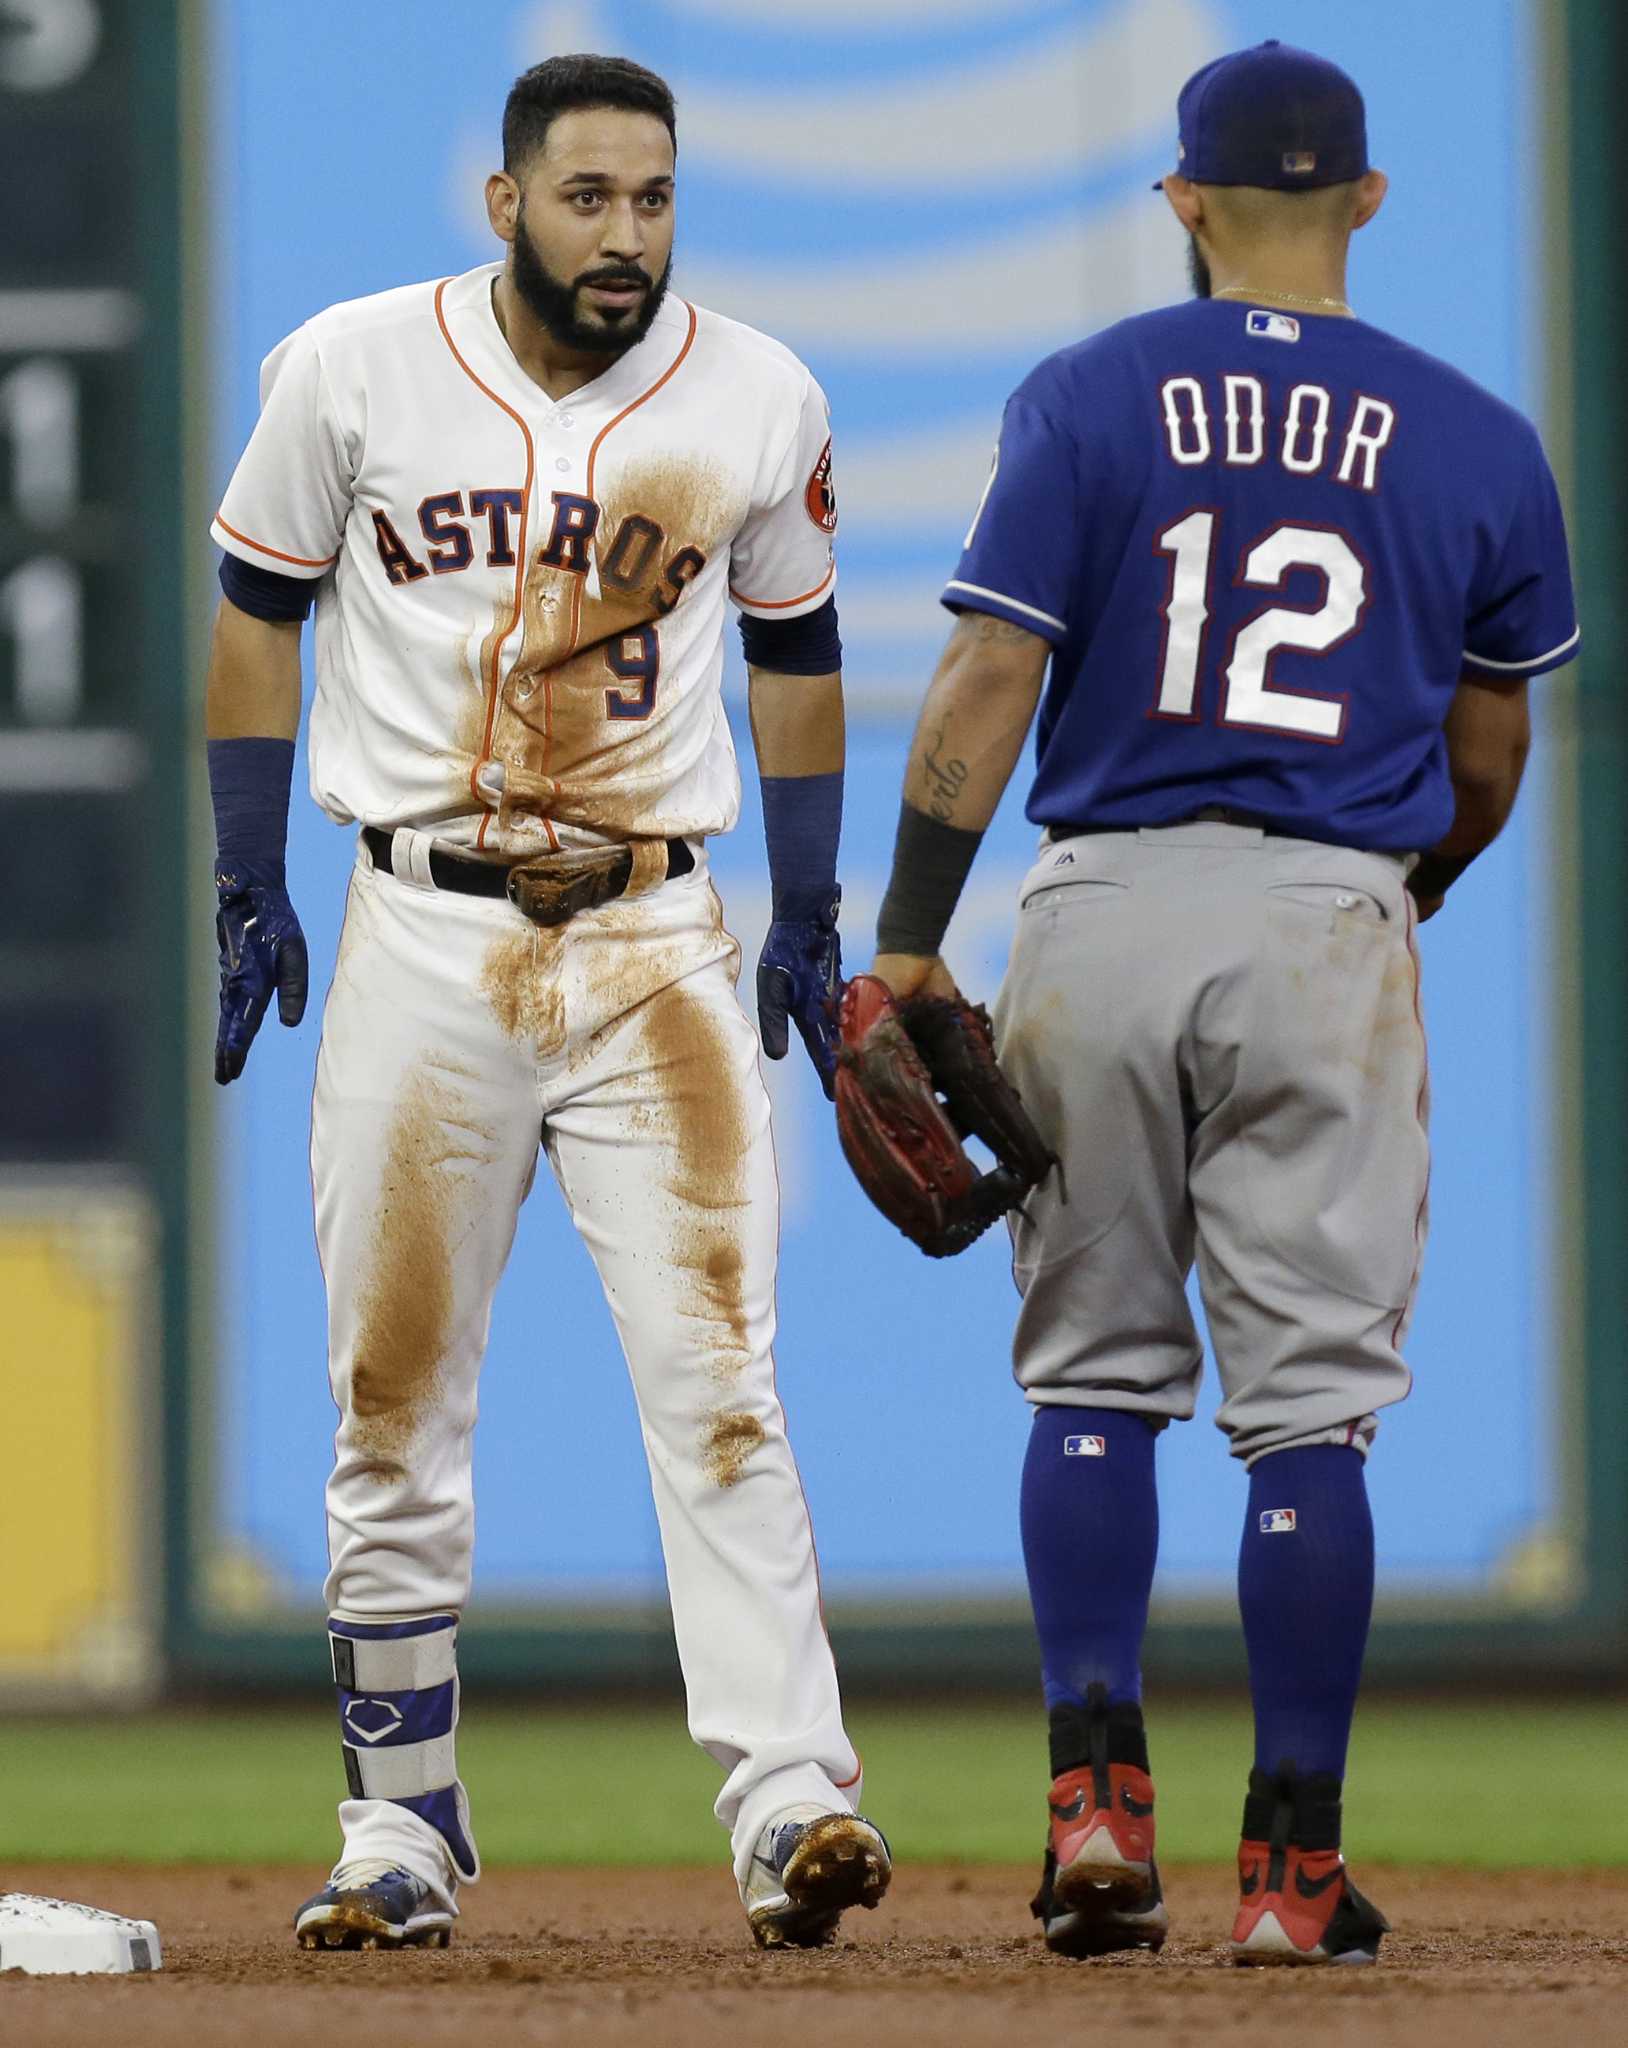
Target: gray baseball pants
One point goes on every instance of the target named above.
(1218, 1032)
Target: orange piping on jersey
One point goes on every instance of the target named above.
(276, 554)
(593, 456)
(485, 753)
(784, 604)
(611, 426)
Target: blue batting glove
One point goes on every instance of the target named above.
(261, 949)
(799, 976)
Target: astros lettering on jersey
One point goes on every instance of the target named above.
(521, 641)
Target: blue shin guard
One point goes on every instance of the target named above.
(398, 1716)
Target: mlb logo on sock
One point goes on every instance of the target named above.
(1278, 1522)
(1267, 326)
(1085, 1447)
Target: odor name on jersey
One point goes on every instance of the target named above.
(1264, 548)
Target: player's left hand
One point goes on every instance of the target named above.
(799, 977)
(915, 1079)
(914, 974)
(262, 949)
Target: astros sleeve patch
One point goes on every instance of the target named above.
(821, 494)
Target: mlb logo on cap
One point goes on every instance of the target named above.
(1085, 1447)
(1267, 326)
(1278, 1522)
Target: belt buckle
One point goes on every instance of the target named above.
(555, 887)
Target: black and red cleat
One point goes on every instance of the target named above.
(1296, 1902)
(1099, 1890)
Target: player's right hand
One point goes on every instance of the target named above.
(261, 949)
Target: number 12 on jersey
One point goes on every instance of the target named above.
(1248, 696)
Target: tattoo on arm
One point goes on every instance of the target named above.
(945, 779)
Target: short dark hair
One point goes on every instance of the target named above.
(562, 85)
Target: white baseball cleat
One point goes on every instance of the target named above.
(808, 1867)
(56, 1938)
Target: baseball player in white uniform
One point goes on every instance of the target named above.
(520, 499)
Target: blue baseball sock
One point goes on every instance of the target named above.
(1306, 1590)
(1090, 1513)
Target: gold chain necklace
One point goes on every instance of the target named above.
(1244, 291)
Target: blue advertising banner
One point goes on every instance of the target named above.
(922, 200)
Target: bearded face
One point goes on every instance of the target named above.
(605, 308)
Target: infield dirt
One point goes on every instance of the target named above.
(1478, 1960)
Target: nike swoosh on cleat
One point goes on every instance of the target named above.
(1074, 1808)
(1135, 1807)
(1314, 1887)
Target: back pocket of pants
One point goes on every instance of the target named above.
(1336, 902)
(1074, 892)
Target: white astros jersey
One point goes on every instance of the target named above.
(521, 604)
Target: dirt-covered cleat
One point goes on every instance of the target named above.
(1297, 1904)
(1100, 1920)
(809, 1866)
(373, 1905)
(1099, 1890)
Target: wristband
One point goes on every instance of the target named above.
(249, 782)
(802, 824)
(931, 862)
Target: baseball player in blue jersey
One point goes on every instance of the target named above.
(1289, 577)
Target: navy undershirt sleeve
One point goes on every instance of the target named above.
(808, 646)
(263, 594)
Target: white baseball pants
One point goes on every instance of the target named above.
(457, 1038)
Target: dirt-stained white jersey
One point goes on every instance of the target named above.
(521, 602)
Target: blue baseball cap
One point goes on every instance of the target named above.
(1271, 116)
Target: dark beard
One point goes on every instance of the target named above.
(1198, 270)
(555, 303)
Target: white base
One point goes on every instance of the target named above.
(54, 1938)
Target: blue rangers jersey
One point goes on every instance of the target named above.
(1264, 548)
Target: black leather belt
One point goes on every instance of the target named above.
(1211, 814)
(467, 876)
